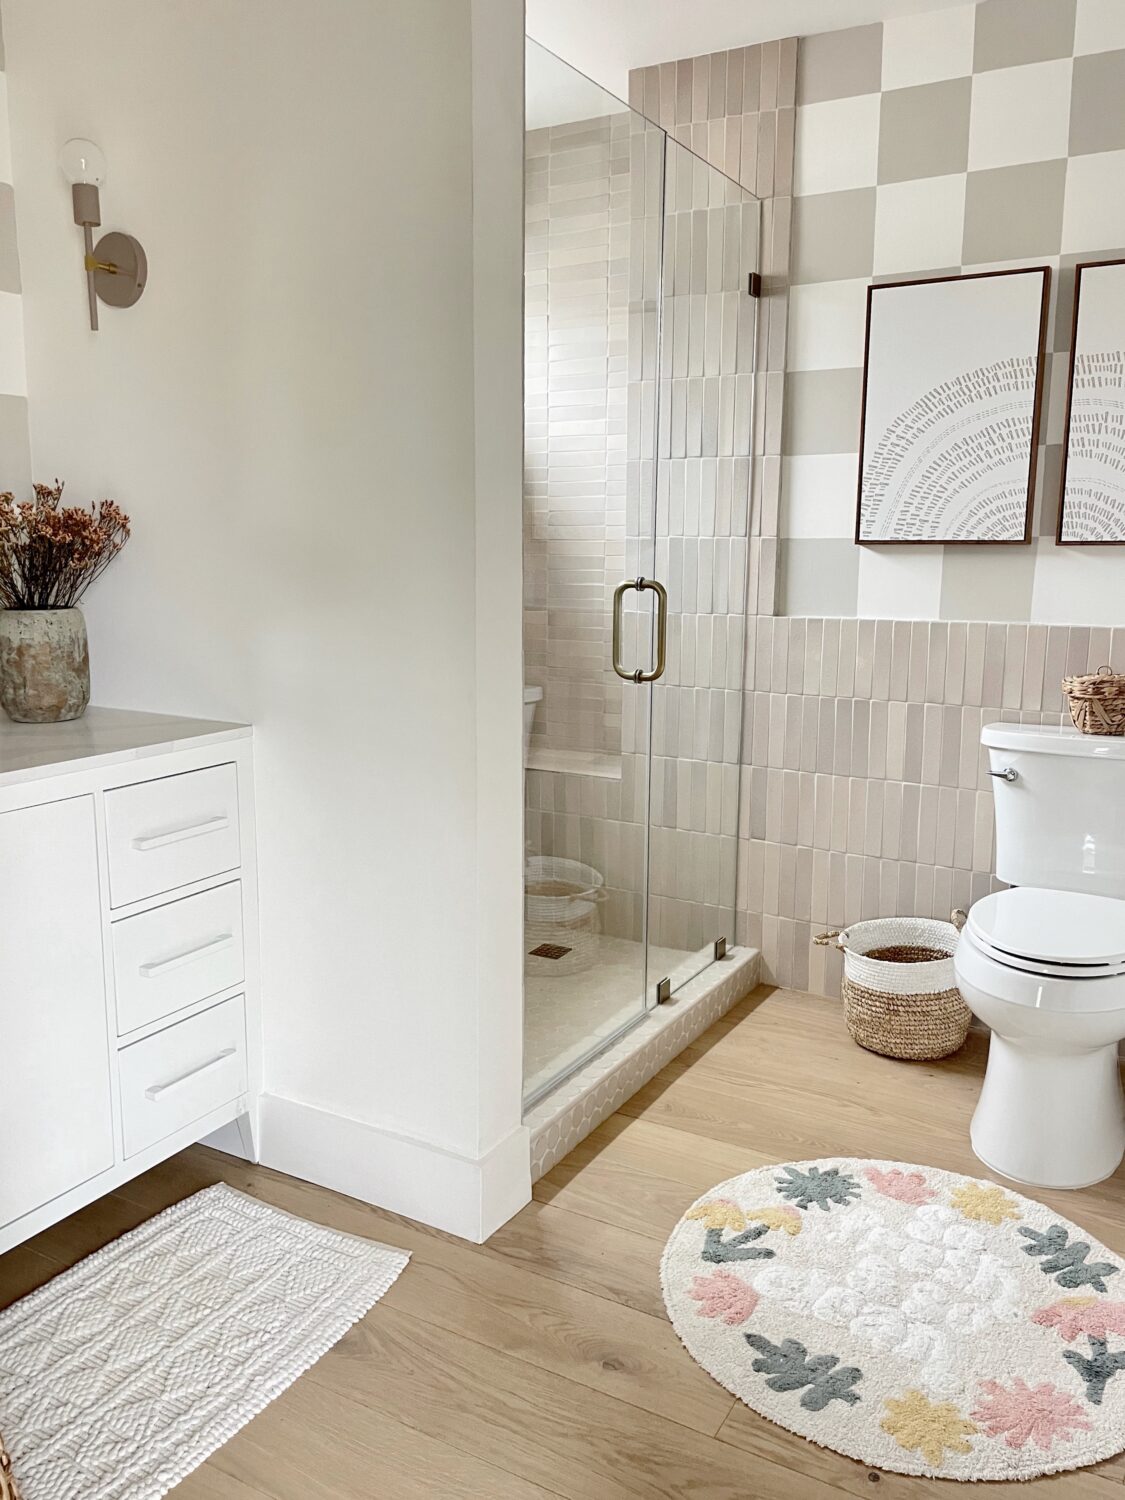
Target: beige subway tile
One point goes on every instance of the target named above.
(992, 687)
(845, 677)
(976, 642)
(1078, 650)
(900, 661)
(915, 737)
(864, 658)
(950, 765)
(806, 808)
(1031, 694)
(919, 661)
(814, 638)
(830, 657)
(896, 741)
(877, 739)
(1015, 656)
(881, 668)
(809, 733)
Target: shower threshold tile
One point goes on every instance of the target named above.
(568, 1016)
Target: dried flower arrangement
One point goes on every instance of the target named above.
(51, 553)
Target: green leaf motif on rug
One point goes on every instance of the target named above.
(738, 1247)
(1098, 1370)
(790, 1368)
(1066, 1262)
(815, 1186)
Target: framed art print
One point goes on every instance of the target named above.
(952, 391)
(1092, 500)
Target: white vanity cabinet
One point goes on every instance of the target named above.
(129, 1014)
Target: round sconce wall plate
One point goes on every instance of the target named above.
(123, 286)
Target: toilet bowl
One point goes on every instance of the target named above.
(1045, 971)
(1043, 964)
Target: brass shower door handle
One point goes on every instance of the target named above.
(641, 584)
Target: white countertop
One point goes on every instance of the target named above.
(103, 736)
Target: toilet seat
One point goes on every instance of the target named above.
(1050, 935)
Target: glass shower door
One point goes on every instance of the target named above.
(594, 193)
(700, 544)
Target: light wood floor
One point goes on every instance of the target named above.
(541, 1364)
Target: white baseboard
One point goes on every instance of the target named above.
(467, 1197)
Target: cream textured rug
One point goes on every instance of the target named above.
(913, 1319)
(121, 1375)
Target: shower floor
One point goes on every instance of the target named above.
(569, 1015)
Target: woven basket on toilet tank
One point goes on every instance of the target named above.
(900, 994)
(1097, 701)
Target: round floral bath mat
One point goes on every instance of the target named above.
(913, 1319)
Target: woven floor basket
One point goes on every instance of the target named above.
(900, 994)
(1097, 702)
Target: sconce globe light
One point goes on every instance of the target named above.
(82, 162)
(116, 267)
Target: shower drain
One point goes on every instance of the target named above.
(549, 950)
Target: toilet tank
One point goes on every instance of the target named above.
(1060, 818)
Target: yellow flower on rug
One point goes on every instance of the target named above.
(718, 1213)
(928, 1427)
(990, 1204)
(787, 1219)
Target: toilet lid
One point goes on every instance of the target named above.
(1052, 932)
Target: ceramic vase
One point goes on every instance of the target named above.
(44, 665)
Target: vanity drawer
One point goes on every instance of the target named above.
(181, 1074)
(171, 832)
(177, 954)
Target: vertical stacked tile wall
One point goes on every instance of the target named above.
(866, 790)
(578, 208)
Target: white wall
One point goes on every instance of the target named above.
(327, 525)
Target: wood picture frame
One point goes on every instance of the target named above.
(953, 374)
(1091, 498)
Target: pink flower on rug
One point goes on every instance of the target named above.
(724, 1295)
(1025, 1414)
(905, 1187)
(1077, 1315)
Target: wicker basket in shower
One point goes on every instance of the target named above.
(1097, 701)
(900, 994)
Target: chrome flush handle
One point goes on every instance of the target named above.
(1009, 773)
(641, 584)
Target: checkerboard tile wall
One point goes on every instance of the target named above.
(956, 140)
(15, 448)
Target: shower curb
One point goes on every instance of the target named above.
(570, 1112)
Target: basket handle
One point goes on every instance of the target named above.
(958, 916)
(824, 938)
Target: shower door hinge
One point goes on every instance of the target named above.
(720, 947)
(663, 992)
(754, 284)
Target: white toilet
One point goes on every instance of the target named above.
(1044, 964)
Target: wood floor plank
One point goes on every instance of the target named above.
(585, 1445)
(21, 1271)
(333, 1448)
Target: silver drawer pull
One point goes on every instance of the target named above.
(166, 965)
(178, 835)
(158, 1089)
(1009, 773)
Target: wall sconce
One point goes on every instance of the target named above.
(116, 268)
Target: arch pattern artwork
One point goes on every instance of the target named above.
(952, 390)
(1092, 503)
